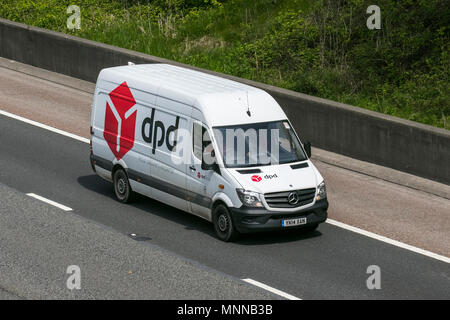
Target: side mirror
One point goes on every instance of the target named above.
(213, 166)
(307, 147)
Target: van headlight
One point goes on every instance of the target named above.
(249, 198)
(321, 191)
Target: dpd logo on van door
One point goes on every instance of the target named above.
(120, 121)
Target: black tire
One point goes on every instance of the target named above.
(122, 188)
(223, 224)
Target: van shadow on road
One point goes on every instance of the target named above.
(190, 222)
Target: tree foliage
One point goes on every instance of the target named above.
(318, 47)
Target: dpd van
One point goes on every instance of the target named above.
(216, 148)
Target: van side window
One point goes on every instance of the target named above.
(201, 141)
(197, 140)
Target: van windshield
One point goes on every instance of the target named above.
(258, 144)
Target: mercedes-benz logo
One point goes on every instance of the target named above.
(293, 198)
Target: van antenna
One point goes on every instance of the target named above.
(248, 106)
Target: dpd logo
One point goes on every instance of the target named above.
(120, 120)
(256, 178)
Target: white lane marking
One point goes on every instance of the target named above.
(273, 290)
(44, 126)
(388, 240)
(330, 221)
(53, 203)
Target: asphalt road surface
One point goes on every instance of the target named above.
(38, 242)
(328, 264)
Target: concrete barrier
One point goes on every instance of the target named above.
(362, 134)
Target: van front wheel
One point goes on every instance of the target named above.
(223, 224)
(122, 188)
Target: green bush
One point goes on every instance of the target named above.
(318, 47)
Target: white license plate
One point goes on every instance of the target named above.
(293, 222)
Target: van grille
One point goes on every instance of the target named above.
(281, 199)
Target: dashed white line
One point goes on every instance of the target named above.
(273, 290)
(330, 221)
(53, 203)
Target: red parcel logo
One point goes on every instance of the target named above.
(256, 178)
(120, 120)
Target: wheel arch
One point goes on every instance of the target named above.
(118, 165)
(221, 198)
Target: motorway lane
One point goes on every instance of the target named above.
(5, 295)
(330, 263)
(362, 200)
(38, 243)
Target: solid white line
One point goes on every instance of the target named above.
(273, 290)
(388, 240)
(53, 203)
(44, 126)
(330, 221)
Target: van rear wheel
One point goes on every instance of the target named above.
(122, 188)
(223, 224)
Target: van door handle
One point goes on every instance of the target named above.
(192, 168)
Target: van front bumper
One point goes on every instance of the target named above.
(249, 220)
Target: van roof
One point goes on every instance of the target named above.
(222, 101)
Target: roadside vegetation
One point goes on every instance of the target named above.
(318, 47)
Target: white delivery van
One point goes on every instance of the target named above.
(216, 148)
